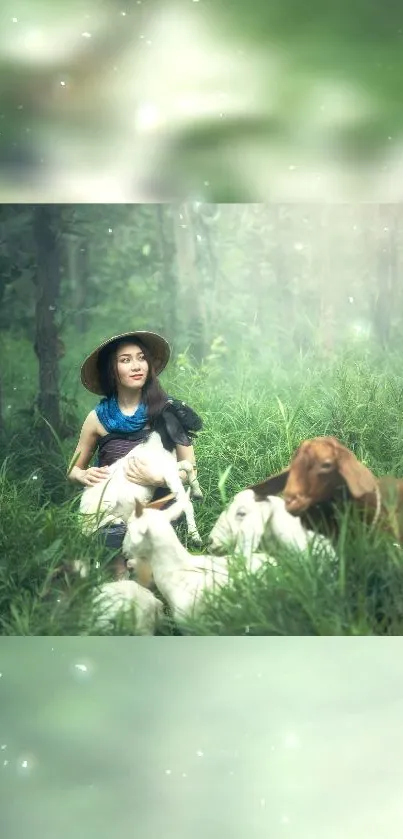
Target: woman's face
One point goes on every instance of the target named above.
(131, 366)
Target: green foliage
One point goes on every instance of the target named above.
(285, 323)
(257, 284)
(252, 423)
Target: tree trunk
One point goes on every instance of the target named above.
(1, 402)
(4, 273)
(208, 269)
(386, 275)
(2, 359)
(169, 285)
(46, 220)
(82, 286)
(77, 258)
(328, 282)
(190, 281)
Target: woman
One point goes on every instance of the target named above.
(124, 370)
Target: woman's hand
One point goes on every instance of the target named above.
(139, 472)
(93, 475)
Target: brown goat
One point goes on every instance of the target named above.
(323, 471)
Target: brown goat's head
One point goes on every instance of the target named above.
(317, 469)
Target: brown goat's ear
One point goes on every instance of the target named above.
(358, 478)
(138, 509)
(271, 486)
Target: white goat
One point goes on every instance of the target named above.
(242, 526)
(180, 577)
(129, 598)
(113, 499)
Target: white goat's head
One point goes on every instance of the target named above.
(136, 541)
(242, 526)
(143, 522)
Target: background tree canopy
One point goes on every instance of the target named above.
(244, 289)
(224, 283)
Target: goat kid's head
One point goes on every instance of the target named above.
(318, 468)
(241, 526)
(142, 524)
(135, 546)
(136, 533)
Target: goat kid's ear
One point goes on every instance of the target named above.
(138, 508)
(358, 477)
(174, 511)
(271, 486)
(159, 504)
(123, 509)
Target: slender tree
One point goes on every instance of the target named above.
(47, 342)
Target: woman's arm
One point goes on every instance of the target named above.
(84, 451)
(186, 453)
(140, 473)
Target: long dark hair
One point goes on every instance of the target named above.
(153, 395)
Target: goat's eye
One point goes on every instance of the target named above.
(241, 513)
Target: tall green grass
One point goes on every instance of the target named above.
(254, 417)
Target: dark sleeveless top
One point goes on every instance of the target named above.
(177, 424)
(113, 446)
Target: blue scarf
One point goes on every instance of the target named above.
(112, 419)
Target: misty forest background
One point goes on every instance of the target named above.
(285, 322)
